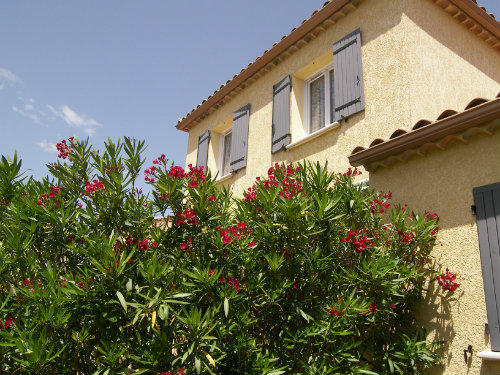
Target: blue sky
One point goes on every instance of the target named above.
(114, 68)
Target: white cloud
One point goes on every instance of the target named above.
(6, 75)
(46, 146)
(74, 119)
(27, 112)
(29, 107)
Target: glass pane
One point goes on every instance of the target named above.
(332, 98)
(226, 153)
(317, 104)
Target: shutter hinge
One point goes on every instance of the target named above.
(473, 209)
(486, 328)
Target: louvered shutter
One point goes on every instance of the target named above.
(239, 139)
(203, 142)
(487, 201)
(281, 114)
(348, 76)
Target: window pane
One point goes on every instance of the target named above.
(317, 104)
(332, 98)
(226, 153)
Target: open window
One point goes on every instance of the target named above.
(319, 100)
(225, 152)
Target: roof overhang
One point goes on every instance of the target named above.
(483, 118)
(467, 12)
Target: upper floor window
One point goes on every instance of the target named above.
(225, 152)
(319, 100)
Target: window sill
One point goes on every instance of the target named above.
(224, 178)
(314, 135)
(495, 356)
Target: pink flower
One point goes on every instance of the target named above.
(183, 246)
(143, 245)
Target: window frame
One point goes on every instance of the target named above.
(325, 72)
(220, 163)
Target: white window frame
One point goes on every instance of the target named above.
(325, 71)
(220, 164)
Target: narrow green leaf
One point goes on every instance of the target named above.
(122, 300)
(226, 306)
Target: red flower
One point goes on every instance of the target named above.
(373, 308)
(251, 244)
(26, 282)
(183, 246)
(143, 245)
(154, 245)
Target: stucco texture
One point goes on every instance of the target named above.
(442, 182)
(417, 62)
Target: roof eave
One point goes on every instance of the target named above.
(265, 59)
(451, 125)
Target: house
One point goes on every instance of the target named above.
(406, 90)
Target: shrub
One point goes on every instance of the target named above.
(307, 273)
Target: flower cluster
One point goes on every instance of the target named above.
(150, 174)
(430, 215)
(160, 160)
(44, 198)
(195, 175)
(231, 281)
(359, 239)
(333, 311)
(447, 281)
(179, 371)
(351, 172)
(407, 237)
(64, 149)
(290, 187)
(176, 172)
(234, 233)
(93, 187)
(186, 245)
(380, 204)
(187, 216)
(6, 324)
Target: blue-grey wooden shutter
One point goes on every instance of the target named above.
(281, 114)
(239, 139)
(348, 76)
(487, 201)
(203, 142)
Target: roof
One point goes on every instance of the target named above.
(467, 12)
(480, 116)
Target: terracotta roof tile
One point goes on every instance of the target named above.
(332, 6)
(480, 116)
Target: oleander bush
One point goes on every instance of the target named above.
(306, 273)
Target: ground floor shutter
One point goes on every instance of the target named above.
(239, 140)
(487, 201)
(203, 142)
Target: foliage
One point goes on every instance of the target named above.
(307, 273)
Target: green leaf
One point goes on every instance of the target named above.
(122, 300)
(197, 364)
(129, 285)
(226, 307)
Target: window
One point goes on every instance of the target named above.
(319, 100)
(225, 152)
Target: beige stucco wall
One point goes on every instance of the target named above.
(417, 62)
(442, 182)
